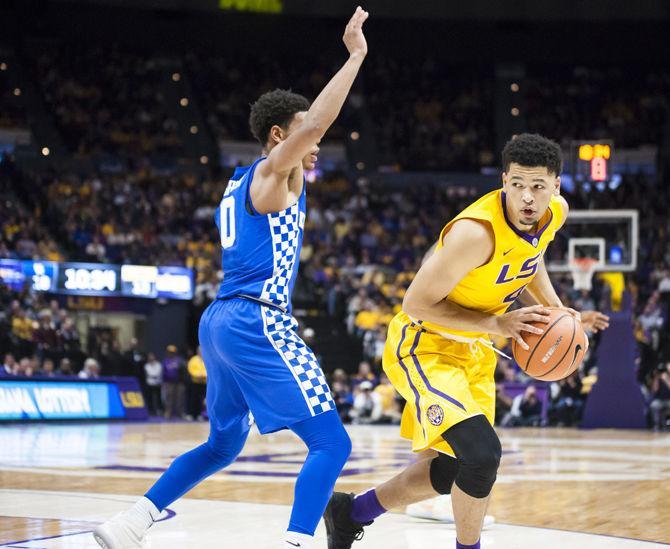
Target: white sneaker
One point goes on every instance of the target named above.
(439, 509)
(124, 531)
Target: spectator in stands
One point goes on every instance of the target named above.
(660, 404)
(26, 247)
(65, 368)
(342, 395)
(134, 360)
(8, 365)
(45, 336)
(35, 365)
(585, 301)
(22, 331)
(526, 410)
(506, 370)
(355, 306)
(391, 409)
(24, 368)
(503, 403)
(197, 386)
(649, 334)
(153, 375)
(69, 336)
(173, 383)
(48, 368)
(110, 357)
(344, 400)
(367, 405)
(367, 318)
(569, 403)
(664, 282)
(364, 374)
(374, 342)
(652, 319)
(91, 369)
(96, 250)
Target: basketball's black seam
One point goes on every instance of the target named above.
(546, 333)
(574, 332)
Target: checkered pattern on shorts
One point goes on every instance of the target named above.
(285, 229)
(281, 329)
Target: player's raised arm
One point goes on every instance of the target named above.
(289, 153)
(468, 245)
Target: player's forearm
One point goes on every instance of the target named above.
(328, 104)
(452, 316)
(526, 299)
(542, 290)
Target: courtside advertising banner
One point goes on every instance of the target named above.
(24, 399)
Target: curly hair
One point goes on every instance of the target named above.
(533, 150)
(277, 107)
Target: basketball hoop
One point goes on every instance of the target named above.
(582, 270)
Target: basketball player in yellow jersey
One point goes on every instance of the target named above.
(438, 353)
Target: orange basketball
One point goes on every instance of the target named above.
(557, 352)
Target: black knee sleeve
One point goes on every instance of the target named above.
(478, 452)
(443, 471)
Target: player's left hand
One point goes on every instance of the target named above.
(353, 38)
(595, 321)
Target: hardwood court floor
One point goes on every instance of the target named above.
(58, 481)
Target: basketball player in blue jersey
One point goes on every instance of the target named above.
(254, 357)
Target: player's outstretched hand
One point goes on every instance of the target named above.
(513, 323)
(353, 38)
(594, 321)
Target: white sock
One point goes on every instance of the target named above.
(147, 510)
(294, 539)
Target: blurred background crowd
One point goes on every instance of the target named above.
(128, 117)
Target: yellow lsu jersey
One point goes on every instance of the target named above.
(494, 286)
(446, 375)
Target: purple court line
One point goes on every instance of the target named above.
(278, 474)
(14, 543)
(271, 459)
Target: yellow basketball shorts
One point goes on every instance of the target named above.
(443, 381)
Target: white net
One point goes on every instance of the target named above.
(582, 270)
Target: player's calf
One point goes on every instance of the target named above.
(329, 448)
(478, 452)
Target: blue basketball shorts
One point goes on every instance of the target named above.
(256, 361)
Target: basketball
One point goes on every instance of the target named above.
(557, 352)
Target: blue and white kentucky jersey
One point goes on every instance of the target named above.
(261, 253)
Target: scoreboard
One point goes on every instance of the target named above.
(592, 163)
(98, 279)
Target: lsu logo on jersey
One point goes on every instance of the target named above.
(435, 414)
(527, 270)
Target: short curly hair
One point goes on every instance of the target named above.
(276, 107)
(533, 150)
